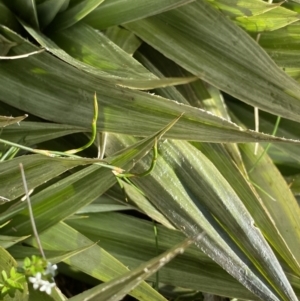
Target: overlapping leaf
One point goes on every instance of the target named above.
(210, 46)
(192, 215)
(195, 124)
(74, 14)
(24, 9)
(242, 8)
(47, 10)
(220, 156)
(32, 133)
(97, 64)
(95, 261)
(192, 190)
(113, 12)
(118, 288)
(134, 243)
(256, 16)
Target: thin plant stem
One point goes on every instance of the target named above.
(156, 284)
(9, 154)
(99, 145)
(94, 130)
(256, 111)
(256, 118)
(31, 212)
(147, 172)
(268, 146)
(69, 153)
(103, 144)
(53, 154)
(22, 56)
(264, 192)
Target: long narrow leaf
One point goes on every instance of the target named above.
(119, 287)
(210, 46)
(50, 72)
(132, 241)
(113, 12)
(74, 14)
(191, 216)
(25, 9)
(97, 64)
(95, 261)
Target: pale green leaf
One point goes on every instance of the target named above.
(283, 45)
(95, 261)
(255, 15)
(278, 200)
(6, 263)
(20, 252)
(239, 8)
(269, 21)
(117, 289)
(132, 241)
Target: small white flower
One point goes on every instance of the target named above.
(47, 287)
(43, 285)
(50, 270)
(37, 280)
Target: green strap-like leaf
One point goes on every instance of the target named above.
(217, 153)
(39, 169)
(97, 64)
(47, 11)
(255, 15)
(265, 175)
(192, 270)
(172, 196)
(210, 46)
(124, 39)
(95, 261)
(240, 8)
(8, 19)
(74, 14)
(117, 289)
(42, 72)
(269, 21)
(116, 12)
(24, 9)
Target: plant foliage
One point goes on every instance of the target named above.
(90, 87)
